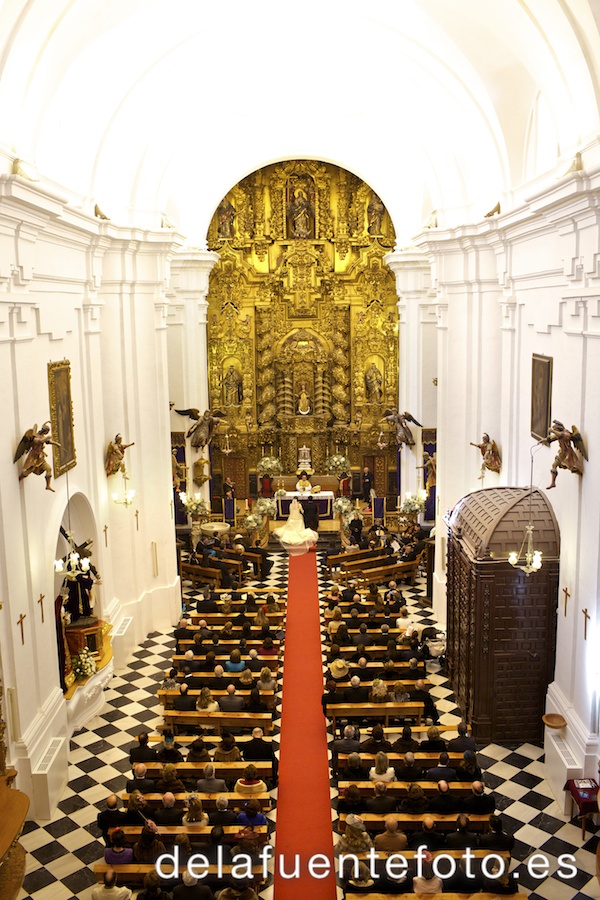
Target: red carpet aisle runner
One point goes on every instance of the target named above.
(303, 804)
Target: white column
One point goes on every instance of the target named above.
(187, 339)
(416, 352)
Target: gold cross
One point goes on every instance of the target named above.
(567, 595)
(20, 622)
(41, 602)
(105, 529)
(585, 621)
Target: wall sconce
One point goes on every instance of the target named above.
(128, 495)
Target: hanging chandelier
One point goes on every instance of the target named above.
(527, 559)
(127, 497)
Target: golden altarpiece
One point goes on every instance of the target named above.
(302, 333)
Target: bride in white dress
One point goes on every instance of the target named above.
(293, 536)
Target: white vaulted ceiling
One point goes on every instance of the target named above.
(148, 105)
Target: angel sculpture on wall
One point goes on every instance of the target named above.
(400, 422)
(490, 453)
(33, 443)
(571, 450)
(115, 456)
(205, 425)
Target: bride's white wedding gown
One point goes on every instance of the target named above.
(293, 536)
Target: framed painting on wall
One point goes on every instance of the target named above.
(541, 395)
(61, 416)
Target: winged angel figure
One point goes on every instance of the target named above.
(33, 443)
(205, 425)
(571, 450)
(399, 421)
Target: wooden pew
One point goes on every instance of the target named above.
(219, 618)
(270, 662)
(400, 788)
(134, 873)
(190, 738)
(225, 646)
(200, 575)
(236, 801)
(446, 895)
(393, 572)
(336, 559)
(217, 720)
(422, 760)
(408, 822)
(166, 697)
(377, 651)
(383, 711)
(230, 771)
(196, 833)
(360, 568)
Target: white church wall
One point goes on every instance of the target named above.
(67, 292)
(547, 297)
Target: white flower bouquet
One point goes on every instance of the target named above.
(269, 465)
(84, 665)
(265, 506)
(337, 464)
(194, 506)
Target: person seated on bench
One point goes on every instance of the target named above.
(252, 815)
(110, 818)
(118, 854)
(356, 693)
(427, 836)
(354, 770)
(168, 813)
(463, 837)
(208, 784)
(194, 812)
(255, 703)
(408, 771)
(152, 889)
(141, 752)
(376, 742)
(441, 772)
(405, 742)
(420, 694)
(191, 889)
(232, 701)
(359, 882)
(109, 890)
(445, 802)
(354, 839)
(266, 680)
(169, 781)
(415, 801)
(352, 801)
(137, 810)
(381, 802)
(496, 838)
(140, 782)
(382, 771)
(463, 742)
(427, 883)
(468, 769)
(149, 847)
(479, 803)
(227, 751)
(250, 783)
(169, 752)
(392, 839)
(258, 750)
(222, 815)
(379, 692)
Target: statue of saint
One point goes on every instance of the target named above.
(374, 384)
(301, 212)
(303, 405)
(375, 211)
(226, 213)
(232, 386)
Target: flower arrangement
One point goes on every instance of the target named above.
(342, 506)
(412, 504)
(269, 465)
(252, 522)
(265, 506)
(84, 665)
(337, 464)
(194, 506)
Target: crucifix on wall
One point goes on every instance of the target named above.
(41, 602)
(20, 621)
(567, 595)
(586, 616)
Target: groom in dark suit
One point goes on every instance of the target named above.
(311, 514)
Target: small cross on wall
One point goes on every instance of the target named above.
(567, 595)
(20, 621)
(585, 621)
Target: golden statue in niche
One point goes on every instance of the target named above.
(303, 406)
(232, 387)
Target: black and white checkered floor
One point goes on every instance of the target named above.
(61, 853)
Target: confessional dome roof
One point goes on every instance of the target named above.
(491, 522)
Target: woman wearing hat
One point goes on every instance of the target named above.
(339, 669)
(355, 838)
